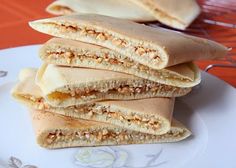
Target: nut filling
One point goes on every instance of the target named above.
(153, 123)
(140, 50)
(40, 102)
(123, 90)
(120, 136)
(96, 111)
(93, 111)
(71, 57)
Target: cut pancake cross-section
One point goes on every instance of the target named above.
(73, 53)
(56, 131)
(65, 86)
(156, 48)
(151, 116)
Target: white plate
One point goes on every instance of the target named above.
(209, 111)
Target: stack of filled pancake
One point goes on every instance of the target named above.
(109, 81)
(174, 13)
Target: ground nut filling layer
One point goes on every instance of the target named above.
(93, 110)
(150, 122)
(153, 88)
(39, 102)
(71, 56)
(139, 49)
(101, 135)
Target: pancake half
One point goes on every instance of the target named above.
(72, 53)
(178, 14)
(151, 116)
(120, 9)
(65, 86)
(57, 131)
(156, 48)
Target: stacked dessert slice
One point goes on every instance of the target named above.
(108, 81)
(98, 123)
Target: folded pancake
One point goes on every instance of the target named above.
(154, 47)
(120, 9)
(65, 86)
(57, 131)
(78, 54)
(174, 13)
(151, 116)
